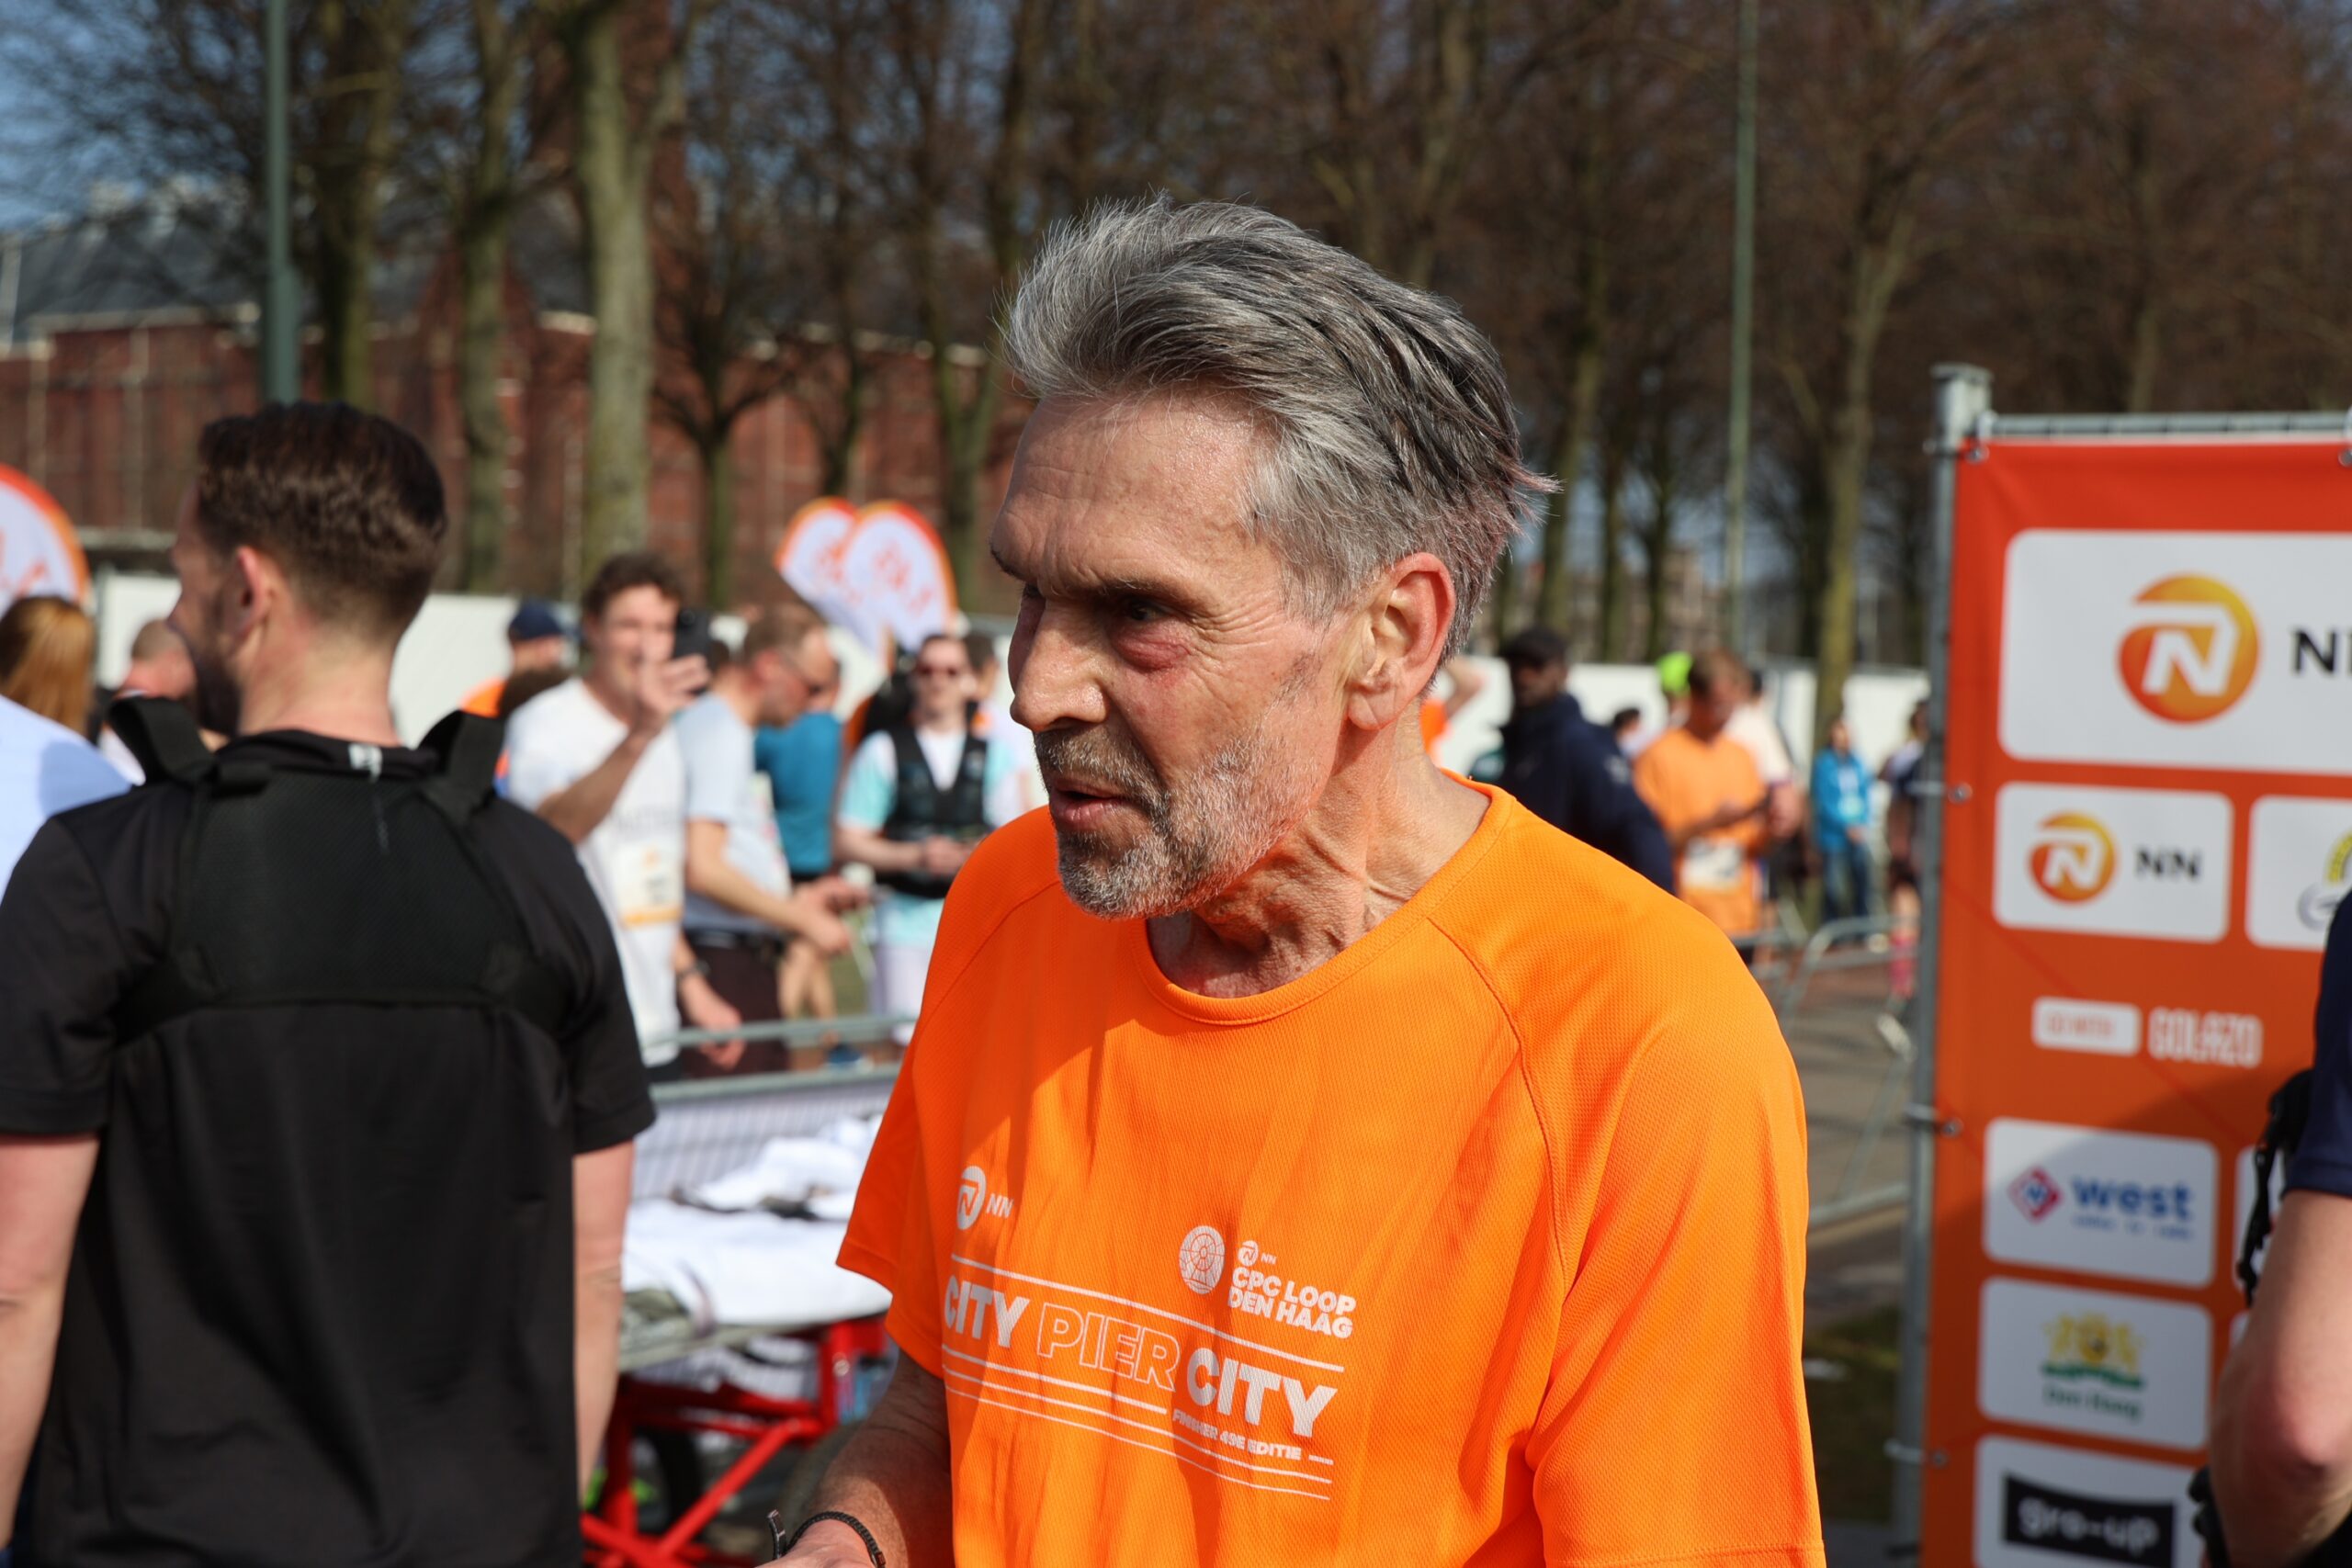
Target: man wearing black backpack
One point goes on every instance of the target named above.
(2282, 1420)
(317, 1084)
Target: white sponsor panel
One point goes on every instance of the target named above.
(2208, 651)
(2103, 1028)
(2042, 1506)
(2130, 1205)
(2093, 1361)
(2298, 861)
(2140, 863)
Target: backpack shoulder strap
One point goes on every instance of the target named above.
(164, 736)
(468, 747)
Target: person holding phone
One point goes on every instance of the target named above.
(597, 758)
(1705, 790)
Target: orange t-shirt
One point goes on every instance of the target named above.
(1684, 780)
(1433, 723)
(482, 701)
(1481, 1243)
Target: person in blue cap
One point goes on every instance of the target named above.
(537, 639)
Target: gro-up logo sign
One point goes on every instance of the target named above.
(2073, 856)
(2191, 650)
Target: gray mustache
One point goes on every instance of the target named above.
(1097, 757)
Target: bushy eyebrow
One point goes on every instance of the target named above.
(1105, 590)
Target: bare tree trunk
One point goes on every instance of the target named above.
(482, 341)
(718, 453)
(1567, 462)
(1877, 269)
(1613, 546)
(611, 173)
(612, 163)
(366, 47)
(346, 314)
(484, 218)
(966, 428)
(840, 449)
(1504, 608)
(1654, 569)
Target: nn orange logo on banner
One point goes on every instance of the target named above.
(2073, 856)
(2191, 653)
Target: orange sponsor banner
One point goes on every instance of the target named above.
(2148, 821)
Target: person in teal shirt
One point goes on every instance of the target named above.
(1841, 825)
(803, 763)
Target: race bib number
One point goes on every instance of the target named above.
(650, 885)
(1713, 865)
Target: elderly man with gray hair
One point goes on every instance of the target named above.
(1305, 1155)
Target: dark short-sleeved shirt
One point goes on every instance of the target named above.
(2322, 1162)
(320, 1310)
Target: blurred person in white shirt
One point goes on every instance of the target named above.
(740, 902)
(597, 759)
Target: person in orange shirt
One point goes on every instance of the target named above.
(1305, 1155)
(537, 640)
(1464, 683)
(1711, 800)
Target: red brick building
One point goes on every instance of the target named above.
(121, 335)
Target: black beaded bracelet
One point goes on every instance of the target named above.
(785, 1544)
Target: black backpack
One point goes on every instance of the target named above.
(262, 913)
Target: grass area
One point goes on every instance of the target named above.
(1853, 1414)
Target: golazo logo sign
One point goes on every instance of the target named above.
(2073, 856)
(2099, 1529)
(2130, 1205)
(2190, 653)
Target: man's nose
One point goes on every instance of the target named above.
(1056, 672)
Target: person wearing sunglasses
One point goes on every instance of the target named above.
(920, 793)
(741, 905)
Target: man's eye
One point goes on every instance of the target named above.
(1141, 612)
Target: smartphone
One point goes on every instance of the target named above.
(694, 638)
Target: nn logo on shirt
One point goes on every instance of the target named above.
(2190, 653)
(972, 1200)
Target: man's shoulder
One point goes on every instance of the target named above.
(708, 722)
(1592, 962)
(59, 769)
(1002, 881)
(550, 710)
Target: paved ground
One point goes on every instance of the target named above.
(1840, 1030)
(1842, 1036)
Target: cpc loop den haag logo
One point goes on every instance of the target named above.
(2073, 856)
(2190, 653)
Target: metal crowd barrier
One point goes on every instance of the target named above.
(1837, 996)
(707, 1127)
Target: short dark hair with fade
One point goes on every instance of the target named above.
(347, 503)
(981, 649)
(631, 568)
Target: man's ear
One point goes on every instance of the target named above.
(1406, 626)
(256, 589)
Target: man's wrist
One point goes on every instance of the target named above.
(837, 1540)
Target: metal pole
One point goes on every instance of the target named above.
(1963, 393)
(1743, 309)
(280, 311)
